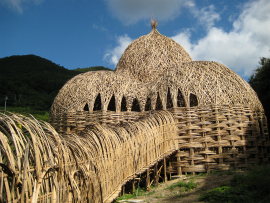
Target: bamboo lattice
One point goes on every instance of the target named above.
(39, 165)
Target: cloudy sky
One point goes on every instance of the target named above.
(84, 33)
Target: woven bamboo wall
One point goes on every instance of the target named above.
(39, 165)
(212, 137)
(220, 137)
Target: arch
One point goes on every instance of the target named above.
(135, 105)
(193, 100)
(97, 104)
(159, 105)
(180, 99)
(169, 103)
(86, 107)
(123, 104)
(111, 106)
(148, 104)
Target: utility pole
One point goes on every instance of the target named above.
(5, 104)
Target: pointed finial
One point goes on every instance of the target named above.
(154, 22)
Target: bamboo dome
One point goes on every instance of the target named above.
(154, 73)
(148, 56)
(190, 84)
(220, 120)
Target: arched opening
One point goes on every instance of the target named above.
(111, 106)
(86, 108)
(180, 99)
(169, 100)
(159, 105)
(123, 104)
(193, 100)
(135, 105)
(148, 104)
(97, 104)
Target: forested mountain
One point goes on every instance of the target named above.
(32, 81)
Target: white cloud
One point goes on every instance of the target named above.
(18, 5)
(112, 56)
(206, 16)
(100, 28)
(132, 11)
(240, 48)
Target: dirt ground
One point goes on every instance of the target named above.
(162, 194)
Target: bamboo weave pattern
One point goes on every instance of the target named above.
(39, 165)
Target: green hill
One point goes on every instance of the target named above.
(32, 81)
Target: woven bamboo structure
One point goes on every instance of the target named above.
(39, 165)
(214, 107)
(221, 122)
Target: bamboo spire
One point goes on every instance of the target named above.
(154, 23)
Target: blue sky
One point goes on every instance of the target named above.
(84, 33)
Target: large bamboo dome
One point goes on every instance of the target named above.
(191, 84)
(148, 56)
(154, 73)
(220, 120)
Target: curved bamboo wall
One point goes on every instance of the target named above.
(39, 165)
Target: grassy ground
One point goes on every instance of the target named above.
(41, 115)
(250, 185)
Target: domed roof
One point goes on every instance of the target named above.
(148, 56)
(150, 68)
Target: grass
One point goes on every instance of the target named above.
(141, 192)
(41, 115)
(185, 186)
(252, 187)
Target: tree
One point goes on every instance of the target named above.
(260, 82)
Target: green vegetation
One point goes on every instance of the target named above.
(260, 82)
(141, 192)
(94, 68)
(253, 187)
(32, 81)
(27, 111)
(185, 186)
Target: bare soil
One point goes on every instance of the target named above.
(205, 183)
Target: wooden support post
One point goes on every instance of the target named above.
(147, 180)
(178, 158)
(170, 165)
(165, 172)
(123, 190)
(192, 161)
(133, 186)
(156, 174)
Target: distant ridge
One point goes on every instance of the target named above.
(94, 68)
(33, 81)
